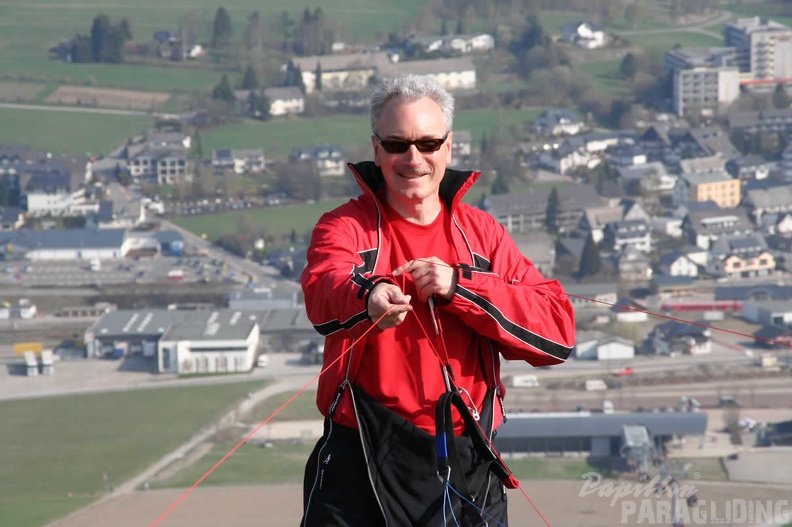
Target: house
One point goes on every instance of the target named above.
(748, 167)
(702, 227)
(556, 122)
(596, 345)
(162, 164)
(11, 218)
(762, 201)
(679, 338)
(347, 72)
(677, 264)
(525, 211)
(454, 74)
(633, 264)
(714, 185)
(171, 45)
(238, 160)
(630, 233)
(471, 42)
(648, 178)
(15, 158)
(328, 160)
(598, 296)
(629, 312)
(595, 219)
(285, 100)
(625, 155)
(712, 163)
(565, 158)
(583, 34)
(463, 43)
(772, 224)
(741, 256)
(51, 189)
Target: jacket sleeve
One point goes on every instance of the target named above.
(336, 280)
(530, 316)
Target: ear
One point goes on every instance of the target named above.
(377, 150)
(448, 145)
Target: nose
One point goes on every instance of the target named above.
(413, 156)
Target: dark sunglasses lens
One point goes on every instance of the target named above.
(429, 145)
(395, 147)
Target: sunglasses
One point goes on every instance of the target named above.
(400, 146)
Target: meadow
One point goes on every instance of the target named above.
(279, 136)
(61, 453)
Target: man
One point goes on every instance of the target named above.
(418, 295)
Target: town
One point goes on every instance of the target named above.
(665, 211)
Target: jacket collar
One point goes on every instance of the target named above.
(453, 187)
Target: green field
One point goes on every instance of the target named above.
(59, 131)
(352, 132)
(57, 450)
(664, 42)
(29, 28)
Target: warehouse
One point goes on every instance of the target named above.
(599, 435)
(182, 341)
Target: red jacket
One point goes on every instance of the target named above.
(502, 305)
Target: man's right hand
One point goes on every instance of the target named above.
(387, 297)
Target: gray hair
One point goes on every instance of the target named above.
(411, 87)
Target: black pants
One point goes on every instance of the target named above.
(392, 481)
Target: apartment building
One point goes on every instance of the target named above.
(763, 49)
(706, 80)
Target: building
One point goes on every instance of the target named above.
(596, 345)
(285, 100)
(525, 211)
(600, 435)
(454, 74)
(741, 256)
(583, 34)
(704, 80)
(763, 49)
(769, 313)
(62, 244)
(679, 338)
(714, 185)
(348, 72)
(556, 122)
(181, 341)
(238, 160)
(329, 160)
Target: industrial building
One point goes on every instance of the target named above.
(183, 342)
(598, 435)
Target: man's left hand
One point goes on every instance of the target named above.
(432, 276)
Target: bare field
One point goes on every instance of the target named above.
(108, 98)
(19, 91)
(562, 503)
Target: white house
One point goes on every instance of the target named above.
(583, 34)
(677, 264)
(595, 345)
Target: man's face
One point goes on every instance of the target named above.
(412, 177)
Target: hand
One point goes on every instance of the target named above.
(432, 276)
(387, 297)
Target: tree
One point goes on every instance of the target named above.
(250, 79)
(318, 77)
(253, 32)
(222, 31)
(460, 28)
(107, 41)
(499, 185)
(781, 99)
(444, 27)
(551, 212)
(590, 259)
(628, 67)
(259, 105)
(223, 91)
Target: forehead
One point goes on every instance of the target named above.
(422, 117)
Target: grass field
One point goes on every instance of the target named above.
(29, 28)
(666, 41)
(56, 451)
(279, 136)
(61, 131)
(274, 220)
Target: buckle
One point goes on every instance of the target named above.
(470, 404)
